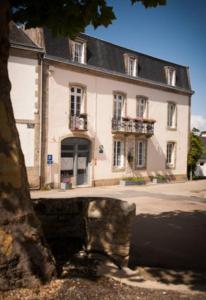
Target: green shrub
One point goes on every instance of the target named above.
(133, 179)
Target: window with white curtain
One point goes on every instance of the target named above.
(132, 66)
(140, 154)
(78, 52)
(170, 75)
(170, 159)
(141, 107)
(118, 154)
(171, 115)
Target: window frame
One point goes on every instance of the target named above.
(118, 163)
(132, 70)
(171, 119)
(127, 58)
(138, 107)
(75, 94)
(137, 154)
(170, 75)
(82, 58)
(170, 163)
(116, 104)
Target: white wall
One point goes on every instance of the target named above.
(24, 80)
(26, 136)
(22, 75)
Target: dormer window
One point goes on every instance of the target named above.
(170, 76)
(130, 63)
(78, 51)
(132, 66)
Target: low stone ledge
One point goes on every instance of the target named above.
(103, 224)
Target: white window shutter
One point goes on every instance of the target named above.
(122, 154)
(135, 68)
(83, 53)
(144, 153)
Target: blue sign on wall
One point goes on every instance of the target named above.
(49, 159)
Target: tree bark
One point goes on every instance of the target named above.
(25, 260)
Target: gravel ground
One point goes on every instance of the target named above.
(101, 289)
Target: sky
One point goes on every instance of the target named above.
(174, 32)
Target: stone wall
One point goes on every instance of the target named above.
(101, 225)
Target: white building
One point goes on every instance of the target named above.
(110, 112)
(25, 75)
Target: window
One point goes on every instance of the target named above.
(171, 117)
(130, 63)
(170, 75)
(141, 107)
(170, 160)
(118, 154)
(76, 101)
(132, 66)
(78, 52)
(140, 154)
(118, 106)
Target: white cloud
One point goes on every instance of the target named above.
(198, 122)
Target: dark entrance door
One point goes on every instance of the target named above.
(74, 160)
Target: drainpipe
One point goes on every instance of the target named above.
(40, 118)
(40, 59)
(95, 134)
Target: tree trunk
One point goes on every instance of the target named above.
(25, 259)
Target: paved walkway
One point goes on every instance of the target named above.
(168, 233)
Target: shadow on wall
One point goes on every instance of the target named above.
(156, 162)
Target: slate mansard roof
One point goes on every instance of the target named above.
(107, 56)
(103, 56)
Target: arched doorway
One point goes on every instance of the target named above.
(75, 153)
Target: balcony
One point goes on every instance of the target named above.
(78, 123)
(133, 126)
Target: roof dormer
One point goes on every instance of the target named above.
(130, 62)
(170, 74)
(78, 50)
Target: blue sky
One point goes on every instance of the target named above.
(175, 32)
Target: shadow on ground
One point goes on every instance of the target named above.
(168, 243)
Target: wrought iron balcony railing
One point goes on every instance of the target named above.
(78, 122)
(136, 126)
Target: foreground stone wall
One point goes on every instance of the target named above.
(102, 224)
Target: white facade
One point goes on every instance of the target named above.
(99, 97)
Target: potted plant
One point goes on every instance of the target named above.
(159, 179)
